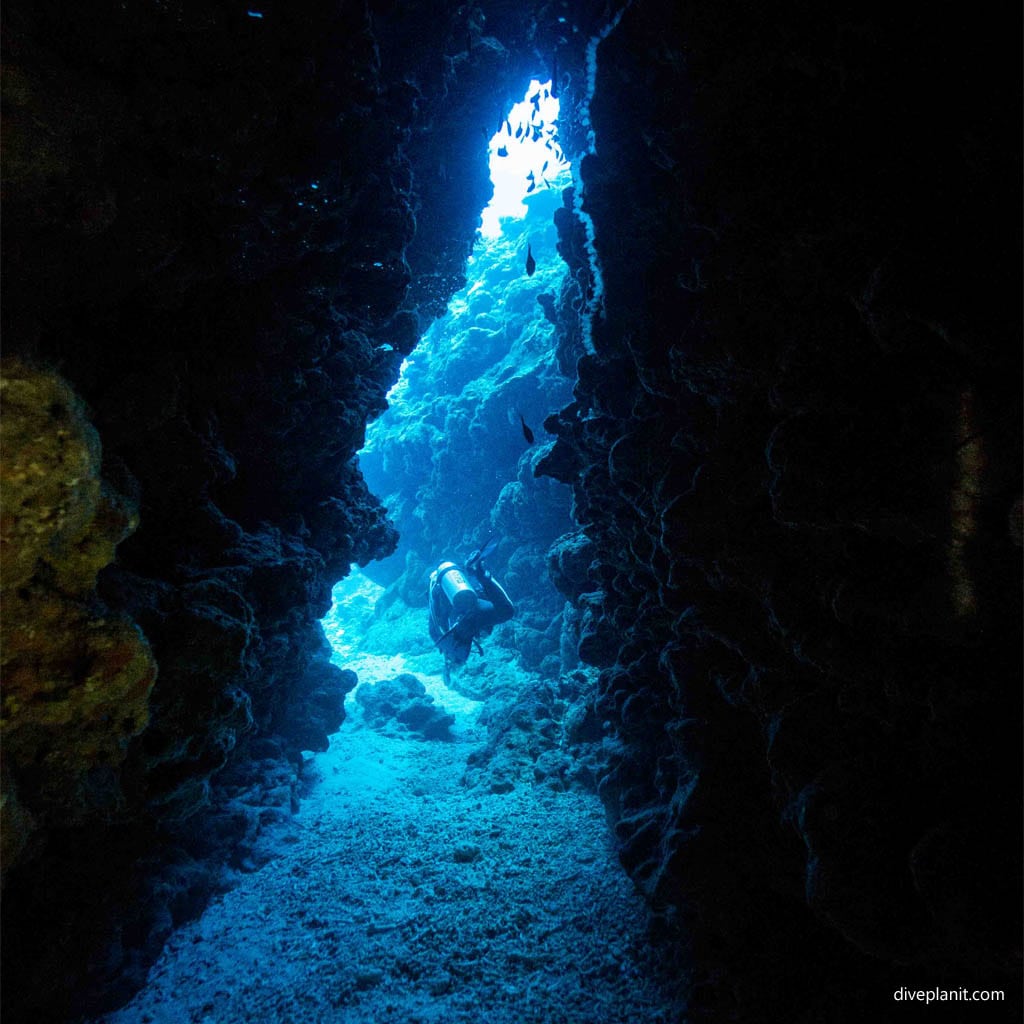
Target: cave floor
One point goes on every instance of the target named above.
(401, 895)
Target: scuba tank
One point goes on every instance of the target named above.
(457, 589)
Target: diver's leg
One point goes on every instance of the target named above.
(503, 607)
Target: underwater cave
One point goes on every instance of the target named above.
(511, 513)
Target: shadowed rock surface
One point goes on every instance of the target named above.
(404, 700)
(794, 452)
(223, 233)
(791, 322)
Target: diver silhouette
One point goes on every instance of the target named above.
(460, 611)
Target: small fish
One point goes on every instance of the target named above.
(519, 131)
(527, 432)
(508, 127)
(533, 185)
(545, 167)
(502, 151)
(531, 263)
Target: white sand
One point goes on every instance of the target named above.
(370, 916)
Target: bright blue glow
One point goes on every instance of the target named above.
(254, 14)
(525, 157)
(453, 427)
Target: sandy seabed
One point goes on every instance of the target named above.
(401, 895)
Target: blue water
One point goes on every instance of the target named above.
(450, 458)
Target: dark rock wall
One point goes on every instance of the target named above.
(222, 234)
(795, 453)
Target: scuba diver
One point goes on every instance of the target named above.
(459, 611)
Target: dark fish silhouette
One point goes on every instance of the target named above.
(502, 151)
(533, 185)
(531, 263)
(527, 432)
(519, 131)
(508, 126)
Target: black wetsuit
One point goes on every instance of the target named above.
(453, 635)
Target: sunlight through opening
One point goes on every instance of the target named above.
(492, 347)
(525, 157)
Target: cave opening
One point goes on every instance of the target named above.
(453, 454)
(472, 787)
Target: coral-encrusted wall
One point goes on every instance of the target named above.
(796, 455)
(222, 233)
(71, 667)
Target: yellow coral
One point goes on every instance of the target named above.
(76, 678)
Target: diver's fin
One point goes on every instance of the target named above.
(473, 563)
